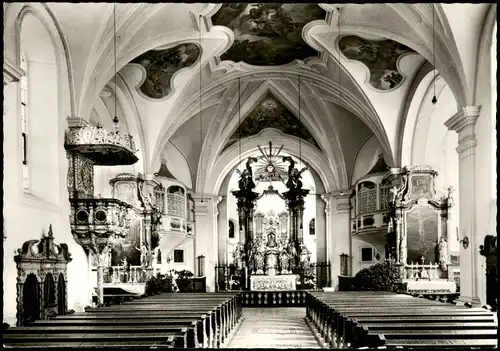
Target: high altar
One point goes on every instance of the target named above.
(271, 255)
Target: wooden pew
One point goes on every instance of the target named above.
(174, 320)
(196, 333)
(175, 337)
(333, 315)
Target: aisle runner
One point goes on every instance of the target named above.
(273, 328)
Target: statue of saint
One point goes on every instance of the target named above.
(259, 262)
(238, 255)
(284, 260)
(443, 253)
(294, 175)
(144, 255)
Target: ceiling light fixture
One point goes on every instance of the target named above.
(115, 119)
(300, 126)
(201, 119)
(434, 98)
(239, 121)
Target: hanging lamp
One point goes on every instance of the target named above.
(434, 98)
(201, 110)
(116, 126)
(239, 134)
(300, 141)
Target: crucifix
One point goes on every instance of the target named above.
(422, 259)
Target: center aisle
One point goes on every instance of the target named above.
(273, 328)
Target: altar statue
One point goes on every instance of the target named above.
(246, 182)
(284, 260)
(144, 255)
(443, 253)
(259, 262)
(294, 175)
(238, 255)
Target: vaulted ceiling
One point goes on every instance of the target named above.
(196, 77)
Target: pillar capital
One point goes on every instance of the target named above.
(467, 117)
(76, 122)
(11, 71)
(342, 200)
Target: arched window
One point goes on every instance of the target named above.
(24, 120)
(231, 230)
(312, 227)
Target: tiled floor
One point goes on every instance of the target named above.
(278, 328)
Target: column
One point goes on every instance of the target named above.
(328, 224)
(204, 242)
(463, 123)
(320, 230)
(340, 209)
(222, 225)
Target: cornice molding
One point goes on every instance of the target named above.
(464, 118)
(11, 71)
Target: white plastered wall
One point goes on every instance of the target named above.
(27, 214)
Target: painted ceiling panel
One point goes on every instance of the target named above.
(270, 113)
(267, 33)
(161, 65)
(380, 56)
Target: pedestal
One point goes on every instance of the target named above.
(273, 283)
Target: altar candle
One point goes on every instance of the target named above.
(458, 234)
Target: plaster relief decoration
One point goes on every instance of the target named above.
(161, 65)
(380, 56)
(270, 113)
(267, 33)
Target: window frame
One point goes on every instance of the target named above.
(174, 256)
(23, 105)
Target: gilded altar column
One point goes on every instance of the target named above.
(463, 122)
(205, 236)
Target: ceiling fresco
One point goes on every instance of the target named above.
(270, 113)
(161, 65)
(267, 33)
(379, 56)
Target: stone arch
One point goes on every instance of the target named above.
(230, 158)
(49, 290)
(14, 17)
(31, 300)
(62, 304)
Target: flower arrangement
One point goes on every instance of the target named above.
(383, 276)
(183, 280)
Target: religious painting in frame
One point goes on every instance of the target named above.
(421, 186)
(423, 229)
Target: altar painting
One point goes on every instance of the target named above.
(421, 186)
(129, 248)
(422, 232)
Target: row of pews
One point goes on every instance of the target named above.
(358, 319)
(187, 320)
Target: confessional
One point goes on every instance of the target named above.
(489, 250)
(41, 279)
